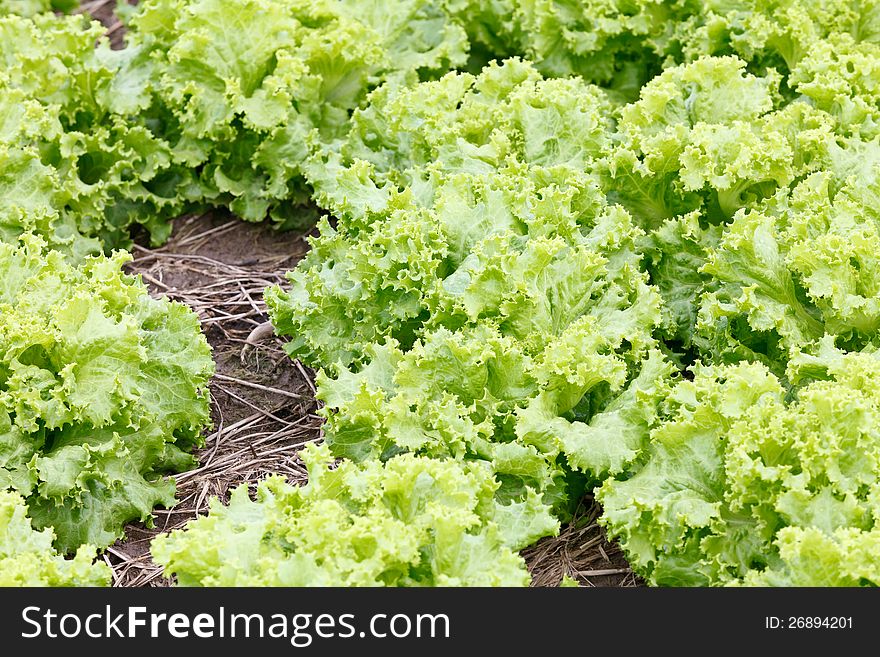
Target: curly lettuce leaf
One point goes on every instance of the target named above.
(675, 252)
(409, 235)
(97, 171)
(799, 270)
(27, 557)
(617, 43)
(710, 136)
(838, 76)
(461, 125)
(810, 557)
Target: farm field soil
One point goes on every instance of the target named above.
(263, 405)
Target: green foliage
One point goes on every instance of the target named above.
(71, 166)
(618, 243)
(470, 156)
(33, 7)
(518, 264)
(412, 521)
(743, 484)
(186, 116)
(477, 297)
(102, 390)
(239, 111)
(28, 559)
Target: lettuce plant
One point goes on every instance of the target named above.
(27, 557)
(75, 167)
(103, 390)
(412, 521)
(743, 484)
(478, 298)
(240, 111)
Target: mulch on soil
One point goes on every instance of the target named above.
(263, 403)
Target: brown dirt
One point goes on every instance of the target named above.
(263, 402)
(581, 551)
(104, 11)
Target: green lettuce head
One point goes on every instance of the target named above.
(746, 482)
(412, 521)
(27, 557)
(103, 390)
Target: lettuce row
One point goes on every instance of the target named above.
(140, 142)
(763, 250)
(113, 138)
(750, 211)
(622, 44)
(103, 390)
